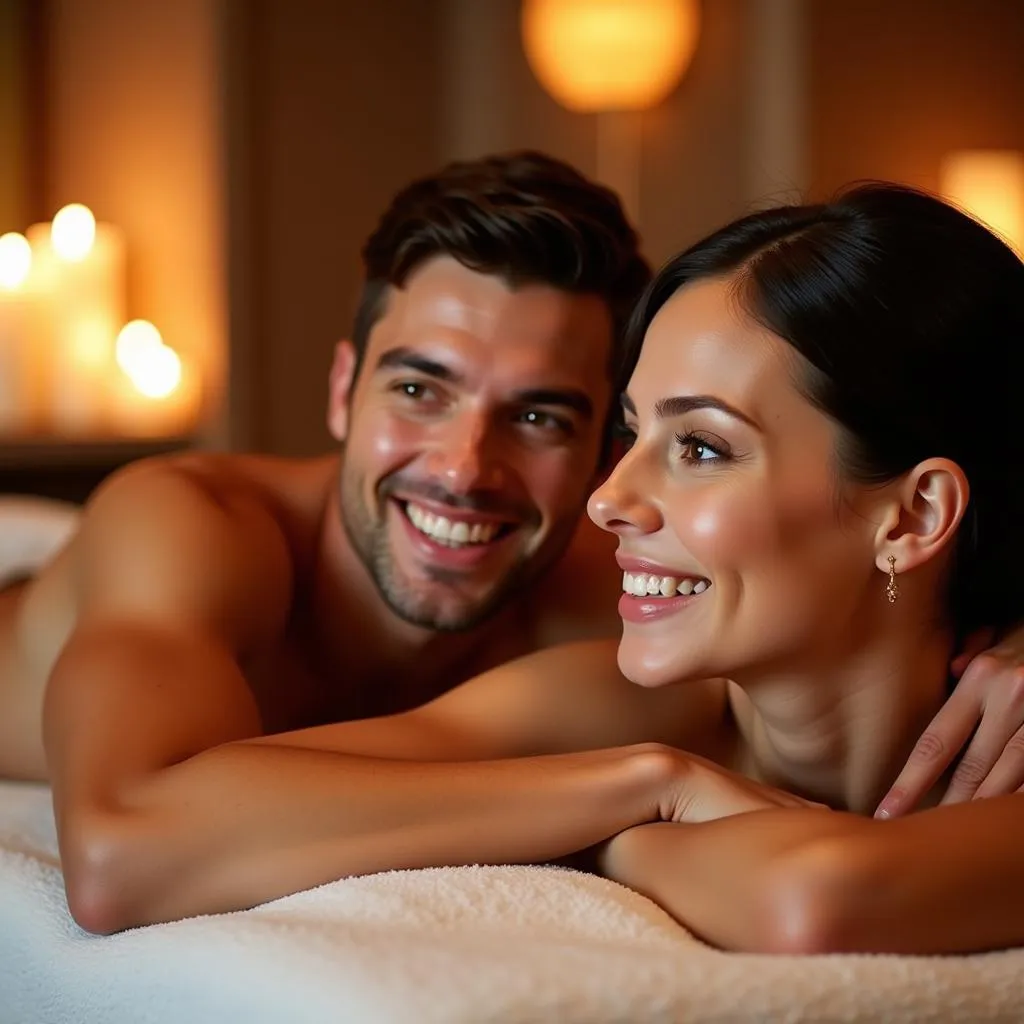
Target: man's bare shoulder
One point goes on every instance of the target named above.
(198, 535)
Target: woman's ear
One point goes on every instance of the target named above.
(339, 389)
(922, 519)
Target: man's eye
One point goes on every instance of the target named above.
(625, 436)
(545, 421)
(412, 389)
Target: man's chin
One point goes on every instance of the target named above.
(443, 615)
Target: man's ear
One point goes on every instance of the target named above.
(339, 393)
(922, 518)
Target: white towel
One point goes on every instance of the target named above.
(32, 530)
(439, 946)
(515, 945)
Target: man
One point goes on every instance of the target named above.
(172, 671)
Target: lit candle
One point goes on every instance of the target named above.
(156, 394)
(81, 281)
(17, 390)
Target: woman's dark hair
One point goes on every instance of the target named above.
(525, 217)
(910, 316)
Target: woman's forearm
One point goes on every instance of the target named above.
(947, 880)
(725, 880)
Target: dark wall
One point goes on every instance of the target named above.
(896, 84)
(330, 108)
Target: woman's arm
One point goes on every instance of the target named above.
(947, 880)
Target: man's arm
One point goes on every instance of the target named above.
(816, 881)
(982, 724)
(167, 803)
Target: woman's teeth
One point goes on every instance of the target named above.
(645, 584)
(445, 531)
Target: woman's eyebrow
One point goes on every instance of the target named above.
(665, 408)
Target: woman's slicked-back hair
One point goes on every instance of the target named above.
(910, 316)
(525, 217)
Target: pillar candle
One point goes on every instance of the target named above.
(82, 306)
(16, 384)
(157, 393)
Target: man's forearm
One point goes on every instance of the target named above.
(242, 824)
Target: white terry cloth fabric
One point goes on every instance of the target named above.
(509, 945)
(516, 945)
(32, 530)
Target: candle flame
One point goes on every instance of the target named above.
(15, 260)
(73, 232)
(153, 367)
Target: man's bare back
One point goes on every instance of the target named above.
(299, 674)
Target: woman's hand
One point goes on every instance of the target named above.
(990, 692)
(699, 790)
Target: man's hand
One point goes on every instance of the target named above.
(988, 702)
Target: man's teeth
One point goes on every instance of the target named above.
(644, 584)
(451, 534)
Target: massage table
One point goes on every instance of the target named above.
(468, 945)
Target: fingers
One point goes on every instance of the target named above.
(993, 763)
(934, 752)
(978, 641)
(1007, 774)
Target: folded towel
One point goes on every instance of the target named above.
(451, 945)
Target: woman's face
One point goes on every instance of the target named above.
(738, 555)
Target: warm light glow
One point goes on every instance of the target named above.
(73, 232)
(153, 367)
(159, 373)
(15, 260)
(600, 55)
(989, 185)
(135, 341)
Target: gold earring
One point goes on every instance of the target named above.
(892, 591)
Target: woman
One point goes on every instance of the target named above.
(823, 497)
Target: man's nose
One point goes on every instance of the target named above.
(467, 456)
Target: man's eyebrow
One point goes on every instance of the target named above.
(406, 358)
(570, 398)
(667, 407)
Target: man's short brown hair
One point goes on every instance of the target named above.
(525, 217)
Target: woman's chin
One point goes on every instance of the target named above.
(650, 665)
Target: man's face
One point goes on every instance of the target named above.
(472, 437)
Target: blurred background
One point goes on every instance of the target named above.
(236, 153)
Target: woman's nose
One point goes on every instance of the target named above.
(622, 504)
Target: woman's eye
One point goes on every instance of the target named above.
(700, 450)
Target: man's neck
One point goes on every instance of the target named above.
(840, 735)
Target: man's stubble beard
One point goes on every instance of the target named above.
(367, 535)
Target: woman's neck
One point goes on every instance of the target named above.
(838, 731)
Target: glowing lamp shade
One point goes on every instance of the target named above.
(603, 55)
(989, 185)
